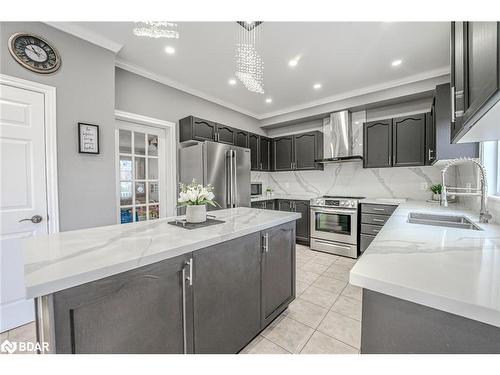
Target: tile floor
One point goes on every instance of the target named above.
(325, 318)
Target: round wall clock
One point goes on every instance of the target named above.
(34, 53)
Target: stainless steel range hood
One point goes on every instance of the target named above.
(338, 142)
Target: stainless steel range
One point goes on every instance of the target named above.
(334, 225)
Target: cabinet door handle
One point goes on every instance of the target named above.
(378, 209)
(430, 157)
(265, 237)
(378, 220)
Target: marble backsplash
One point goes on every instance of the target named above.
(353, 180)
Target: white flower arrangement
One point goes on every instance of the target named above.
(196, 194)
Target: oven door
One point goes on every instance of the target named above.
(339, 225)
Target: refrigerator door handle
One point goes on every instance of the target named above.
(235, 179)
(229, 173)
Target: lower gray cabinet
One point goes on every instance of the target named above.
(227, 295)
(304, 223)
(138, 311)
(265, 205)
(278, 271)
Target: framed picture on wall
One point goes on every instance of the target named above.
(88, 138)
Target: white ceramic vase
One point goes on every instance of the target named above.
(436, 197)
(196, 214)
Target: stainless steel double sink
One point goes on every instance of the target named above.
(460, 222)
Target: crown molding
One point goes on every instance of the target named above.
(363, 91)
(179, 86)
(85, 34)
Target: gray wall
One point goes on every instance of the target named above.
(85, 93)
(143, 96)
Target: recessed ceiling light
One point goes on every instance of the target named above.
(293, 62)
(396, 62)
(170, 50)
(232, 81)
(357, 122)
(317, 86)
(269, 100)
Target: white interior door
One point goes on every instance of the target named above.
(22, 195)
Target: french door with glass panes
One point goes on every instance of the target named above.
(140, 165)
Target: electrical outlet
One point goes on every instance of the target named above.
(424, 186)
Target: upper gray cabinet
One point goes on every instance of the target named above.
(241, 138)
(397, 142)
(408, 141)
(254, 146)
(298, 152)
(438, 131)
(475, 73)
(377, 144)
(265, 154)
(225, 134)
(194, 128)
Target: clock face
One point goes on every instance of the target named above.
(34, 53)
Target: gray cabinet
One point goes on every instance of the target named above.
(278, 271)
(241, 138)
(139, 311)
(475, 73)
(377, 144)
(194, 128)
(283, 153)
(373, 218)
(254, 146)
(265, 205)
(298, 152)
(225, 134)
(226, 297)
(303, 225)
(408, 141)
(438, 131)
(265, 154)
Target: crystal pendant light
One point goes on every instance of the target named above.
(249, 64)
(156, 29)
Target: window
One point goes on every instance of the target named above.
(491, 159)
(139, 177)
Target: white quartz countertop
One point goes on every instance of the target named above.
(454, 270)
(296, 197)
(63, 260)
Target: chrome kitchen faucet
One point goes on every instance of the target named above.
(484, 216)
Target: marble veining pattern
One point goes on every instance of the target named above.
(351, 178)
(454, 270)
(59, 261)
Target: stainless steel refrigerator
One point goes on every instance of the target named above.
(225, 167)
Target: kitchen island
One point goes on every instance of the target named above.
(152, 287)
(430, 289)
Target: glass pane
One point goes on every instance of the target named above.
(154, 212)
(139, 143)
(141, 213)
(125, 168)
(153, 192)
(126, 215)
(140, 192)
(125, 193)
(153, 169)
(152, 145)
(140, 168)
(333, 223)
(125, 141)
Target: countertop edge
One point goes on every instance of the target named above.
(100, 273)
(442, 303)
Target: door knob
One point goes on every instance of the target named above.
(35, 219)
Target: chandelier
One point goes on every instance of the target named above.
(249, 64)
(156, 29)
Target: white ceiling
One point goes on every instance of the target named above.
(347, 58)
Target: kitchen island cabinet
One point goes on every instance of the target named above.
(152, 287)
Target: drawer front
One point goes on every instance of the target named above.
(379, 209)
(370, 229)
(374, 219)
(365, 241)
